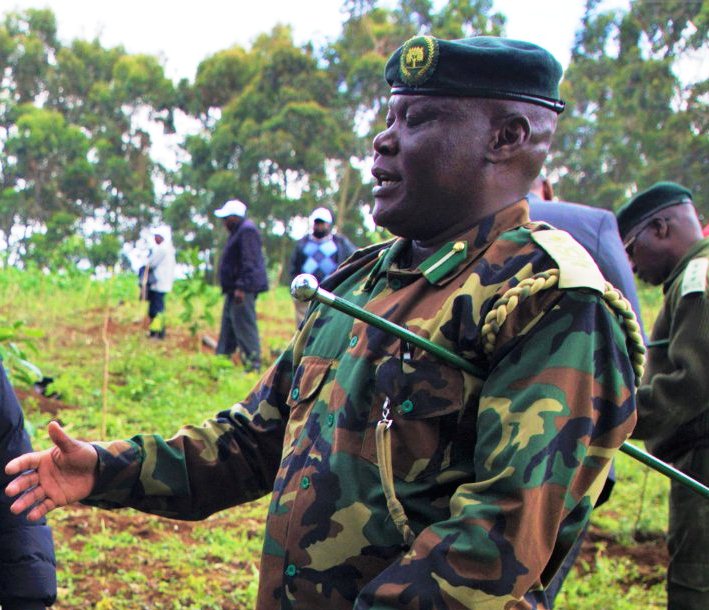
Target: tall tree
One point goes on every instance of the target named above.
(270, 125)
(630, 119)
(73, 128)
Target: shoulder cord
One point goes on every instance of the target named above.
(493, 322)
(548, 279)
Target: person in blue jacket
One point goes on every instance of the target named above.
(27, 566)
(242, 275)
(595, 229)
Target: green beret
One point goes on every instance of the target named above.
(484, 66)
(646, 203)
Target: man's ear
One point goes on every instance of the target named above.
(660, 227)
(510, 135)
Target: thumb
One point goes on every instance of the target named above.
(61, 439)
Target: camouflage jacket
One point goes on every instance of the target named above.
(497, 473)
(673, 399)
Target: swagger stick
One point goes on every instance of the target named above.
(306, 288)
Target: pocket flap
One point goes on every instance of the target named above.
(419, 389)
(309, 377)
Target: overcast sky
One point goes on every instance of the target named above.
(184, 33)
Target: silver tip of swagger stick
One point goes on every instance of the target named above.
(304, 287)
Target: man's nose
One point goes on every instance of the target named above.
(385, 142)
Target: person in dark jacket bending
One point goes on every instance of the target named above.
(242, 275)
(27, 566)
(662, 235)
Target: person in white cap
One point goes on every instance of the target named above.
(161, 276)
(242, 275)
(319, 253)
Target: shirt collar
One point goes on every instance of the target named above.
(679, 267)
(476, 239)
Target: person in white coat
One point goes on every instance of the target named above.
(161, 275)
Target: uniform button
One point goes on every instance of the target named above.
(295, 392)
(291, 570)
(305, 482)
(407, 406)
(330, 419)
(353, 341)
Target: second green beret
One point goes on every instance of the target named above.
(646, 203)
(484, 66)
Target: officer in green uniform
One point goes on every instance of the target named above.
(663, 238)
(397, 480)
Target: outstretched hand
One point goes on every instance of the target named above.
(58, 476)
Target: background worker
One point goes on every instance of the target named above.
(398, 481)
(27, 567)
(161, 276)
(318, 253)
(663, 239)
(242, 275)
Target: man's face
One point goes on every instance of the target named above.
(427, 164)
(647, 254)
(231, 221)
(320, 228)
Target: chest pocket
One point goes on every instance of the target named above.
(427, 404)
(308, 382)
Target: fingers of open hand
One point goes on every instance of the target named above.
(27, 461)
(41, 509)
(22, 483)
(32, 496)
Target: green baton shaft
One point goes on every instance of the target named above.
(666, 469)
(305, 288)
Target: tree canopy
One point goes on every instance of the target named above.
(630, 119)
(288, 127)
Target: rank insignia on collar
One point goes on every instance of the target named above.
(440, 264)
(418, 60)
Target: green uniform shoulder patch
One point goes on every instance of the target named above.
(576, 267)
(695, 276)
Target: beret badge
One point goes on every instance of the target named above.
(418, 60)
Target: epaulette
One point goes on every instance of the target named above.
(577, 270)
(695, 276)
(576, 267)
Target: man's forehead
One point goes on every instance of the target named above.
(436, 101)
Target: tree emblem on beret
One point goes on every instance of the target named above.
(418, 60)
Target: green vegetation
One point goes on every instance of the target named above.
(124, 559)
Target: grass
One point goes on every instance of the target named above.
(123, 559)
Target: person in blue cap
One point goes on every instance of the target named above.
(663, 238)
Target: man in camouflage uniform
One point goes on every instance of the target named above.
(663, 238)
(476, 491)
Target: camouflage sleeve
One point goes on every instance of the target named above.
(556, 406)
(230, 459)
